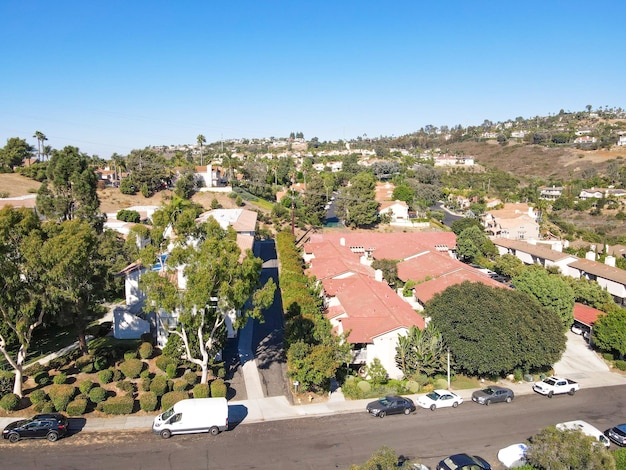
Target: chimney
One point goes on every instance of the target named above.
(610, 261)
(342, 241)
(378, 275)
(590, 255)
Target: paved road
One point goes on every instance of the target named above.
(327, 442)
(448, 217)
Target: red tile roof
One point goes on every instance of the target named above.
(585, 314)
(431, 264)
(427, 290)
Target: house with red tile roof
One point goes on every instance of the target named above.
(586, 315)
(516, 221)
(427, 290)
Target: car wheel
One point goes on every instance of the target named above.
(407, 411)
(166, 434)
(433, 407)
(52, 436)
(509, 399)
(382, 414)
(455, 404)
(214, 431)
(488, 402)
(571, 392)
(13, 438)
(550, 394)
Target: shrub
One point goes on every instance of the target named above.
(33, 369)
(146, 350)
(145, 384)
(621, 365)
(518, 375)
(9, 402)
(412, 386)
(48, 407)
(60, 378)
(620, 458)
(148, 401)
(126, 386)
(201, 391)
(106, 376)
(61, 395)
(128, 215)
(608, 356)
(77, 407)
(40, 404)
(7, 380)
(117, 375)
(97, 394)
(171, 370)
(364, 386)
(59, 362)
(180, 385)
(145, 374)
(101, 363)
(440, 383)
(131, 368)
(42, 378)
(121, 405)
(218, 388)
(38, 396)
(190, 377)
(130, 355)
(159, 385)
(163, 361)
(85, 364)
(171, 398)
(85, 386)
(221, 373)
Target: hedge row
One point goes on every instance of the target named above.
(120, 405)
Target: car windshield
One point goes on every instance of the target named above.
(488, 391)
(550, 381)
(384, 401)
(165, 416)
(621, 430)
(433, 396)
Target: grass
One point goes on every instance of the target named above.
(462, 382)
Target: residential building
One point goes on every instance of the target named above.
(530, 253)
(397, 210)
(550, 193)
(515, 221)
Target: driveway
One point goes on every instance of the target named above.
(579, 360)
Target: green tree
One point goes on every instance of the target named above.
(421, 352)
(492, 331)
(358, 206)
(312, 365)
(472, 243)
(69, 191)
(609, 331)
(201, 141)
(389, 268)
(185, 186)
(550, 290)
(461, 224)
(147, 168)
(508, 265)
(404, 193)
(589, 292)
(14, 153)
(384, 458)
(219, 282)
(553, 449)
(315, 202)
(41, 138)
(23, 299)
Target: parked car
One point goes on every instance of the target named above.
(586, 428)
(439, 399)
(391, 405)
(618, 434)
(464, 462)
(556, 385)
(493, 394)
(49, 426)
(577, 329)
(513, 456)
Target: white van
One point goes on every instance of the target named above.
(586, 429)
(192, 416)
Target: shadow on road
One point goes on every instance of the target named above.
(236, 415)
(75, 425)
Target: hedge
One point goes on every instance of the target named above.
(97, 395)
(171, 398)
(201, 391)
(61, 395)
(60, 378)
(126, 386)
(101, 362)
(42, 378)
(180, 385)
(38, 396)
(190, 377)
(106, 376)
(172, 370)
(85, 386)
(131, 368)
(9, 402)
(48, 407)
(121, 405)
(146, 350)
(159, 385)
(148, 401)
(130, 355)
(145, 383)
(163, 361)
(77, 407)
(85, 364)
(621, 365)
(218, 388)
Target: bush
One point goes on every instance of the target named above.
(218, 388)
(121, 405)
(148, 401)
(130, 355)
(101, 363)
(145, 383)
(7, 380)
(621, 365)
(97, 395)
(61, 395)
(33, 369)
(608, 356)
(85, 364)
(440, 383)
(9, 402)
(117, 375)
(60, 378)
(77, 407)
(85, 386)
(159, 385)
(201, 391)
(131, 368)
(146, 350)
(190, 377)
(172, 370)
(128, 215)
(364, 386)
(59, 362)
(412, 386)
(38, 396)
(145, 374)
(42, 378)
(163, 361)
(180, 385)
(171, 398)
(47, 407)
(620, 458)
(106, 376)
(518, 375)
(126, 386)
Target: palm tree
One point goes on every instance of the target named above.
(119, 164)
(47, 150)
(41, 137)
(201, 141)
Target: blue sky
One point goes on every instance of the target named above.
(111, 76)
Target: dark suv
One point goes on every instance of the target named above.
(49, 426)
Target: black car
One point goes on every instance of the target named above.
(390, 405)
(49, 426)
(464, 462)
(618, 434)
(493, 394)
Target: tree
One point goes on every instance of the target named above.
(201, 141)
(589, 292)
(315, 202)
(421, 352)
(41, 138)
(461, 224)
(473, 243)
(384, 458)
(553, 449)
(609, 331)
(69, 190)
(389, 268)
(550, 290)
(493, 330)
(219, 282)
(185, 186)
(508, 265)
(358, 206)
(23, 298)
(14, 153)
(147, 168)
(403, 192)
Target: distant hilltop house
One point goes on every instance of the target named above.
(550, 193)
(599, 193)
(621, 141)
(516, 221)
(451, 160)
(518, 134)
(585, 139)
(210, 178)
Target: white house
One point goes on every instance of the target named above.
(397, 210)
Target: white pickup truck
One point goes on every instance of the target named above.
(556, 385)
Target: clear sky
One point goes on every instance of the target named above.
(114, 75)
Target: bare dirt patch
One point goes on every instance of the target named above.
(17, 185)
